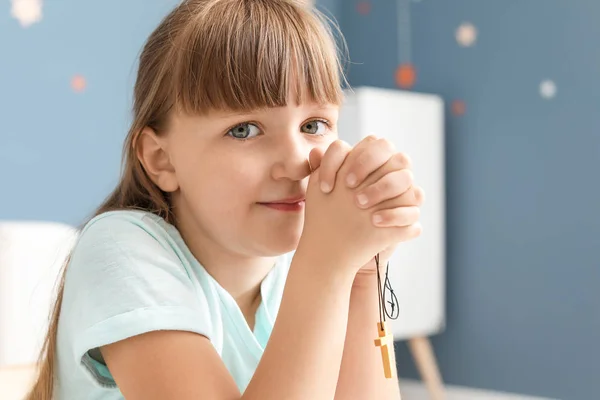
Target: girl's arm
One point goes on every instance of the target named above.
(301, 361)
(361, 373)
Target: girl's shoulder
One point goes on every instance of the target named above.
(129, 227)
(126, 276)
(132, 240)
(123, 219)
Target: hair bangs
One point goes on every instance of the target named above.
(258, 54)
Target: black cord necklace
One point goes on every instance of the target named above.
(385, 340)
(391, 299)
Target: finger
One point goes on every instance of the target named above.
(375, 155)
(390, 186)
(356, 151)
(313, 179)
(314, 159)
(331, 163)
(410, 198)
(363, 143)
(419, 195)
(406, 233)
(398, 217)
(397, 162)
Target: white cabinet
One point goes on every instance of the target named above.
(31, 256)
(414, 122)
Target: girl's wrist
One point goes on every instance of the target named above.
(365, 279)
(324, 268)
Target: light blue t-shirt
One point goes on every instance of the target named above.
(131, 273)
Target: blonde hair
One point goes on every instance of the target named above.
(213, 54)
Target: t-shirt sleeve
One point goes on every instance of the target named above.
(125, 278)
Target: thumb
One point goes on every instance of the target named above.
(315, 157)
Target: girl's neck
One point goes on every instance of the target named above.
(240, 275)
(243, 283)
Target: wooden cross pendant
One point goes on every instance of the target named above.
(386, 342)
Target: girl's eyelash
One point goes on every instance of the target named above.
(326, 122)
(241, 124)
(320, 120)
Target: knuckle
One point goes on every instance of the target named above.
(334, 151)
(384, 185)
(417, 214)
(403, 160)
(375, 191)
(387, 184)
(419, 194)
(363, 158)
(338, 145)
(387, 144)
(333, 147)
(394, 181)
(344, 144)
(409, 176)
(418, 229)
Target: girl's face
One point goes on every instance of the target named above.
(229, 166)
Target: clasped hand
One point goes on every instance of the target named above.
(381, 179)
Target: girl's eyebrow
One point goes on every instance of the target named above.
(323, 107)
(232, 114)
(229, 114)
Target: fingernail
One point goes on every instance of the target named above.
(351, 179)
(325, 187)
(362, 199)
(377, 219)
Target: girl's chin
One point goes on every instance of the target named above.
(282, 244)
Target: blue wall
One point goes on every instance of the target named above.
(523, 202)
(60, 149)
(523, 227)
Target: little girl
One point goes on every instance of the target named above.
(235, 258)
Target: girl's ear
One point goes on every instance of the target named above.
(152, 153)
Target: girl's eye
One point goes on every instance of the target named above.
(315, 127)
(244, 131)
